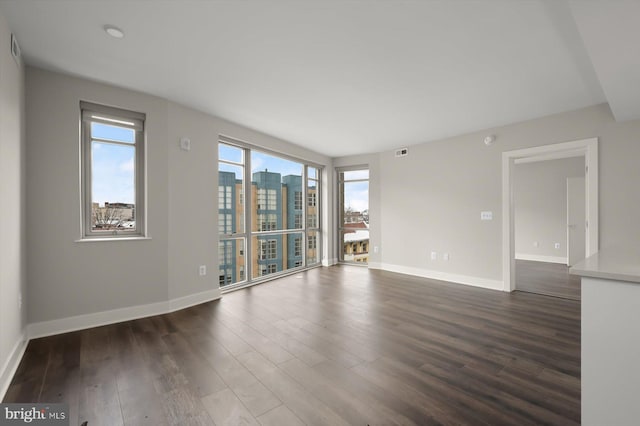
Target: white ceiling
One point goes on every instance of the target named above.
(347, 77)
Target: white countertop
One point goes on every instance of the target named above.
(615, 263)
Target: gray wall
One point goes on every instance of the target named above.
(12, 204)
(69, 278)
(432, 199)
(540, 206)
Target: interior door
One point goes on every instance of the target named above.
(576, 221)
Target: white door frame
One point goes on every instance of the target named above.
(586, 147)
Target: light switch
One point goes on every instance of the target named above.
(486, 215)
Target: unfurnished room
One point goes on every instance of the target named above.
(345, 212)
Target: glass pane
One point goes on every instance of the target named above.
(231, 260)
(355, 245)
(230, 153)
(313, 247)
(312, 204)
(294, 250)
(312, 172)
(113, 133)
(113, 182)
(354, 202)
(230, 200)
(276, 184)
(356, 205)
(355, 174)
(268, 254)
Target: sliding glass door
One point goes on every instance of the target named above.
(353, 213)
(278, 197)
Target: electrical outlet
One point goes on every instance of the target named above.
(434, 255)
(375, 249)
(536, 244)
(445, 257)
(556, 246)
(20, 301)
(202, 270)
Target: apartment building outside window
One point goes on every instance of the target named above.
(268, 193)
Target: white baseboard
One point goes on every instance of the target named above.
(375, 265)
(11, 365)
(193, 299)
(445, 276)
(81, 322)
(541, 258)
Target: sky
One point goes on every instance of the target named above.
(356, 193)
(113, 171)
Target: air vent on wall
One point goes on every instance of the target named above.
(15, 49)
(403, 152)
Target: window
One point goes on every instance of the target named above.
(224, 197)
(267, 222)
(297, 250)
(225, 279)
(267, 269)
(353, 213)
(112, 171)
(313, 221)
(225, 222)
(267, 199)
(297, 203)
(233, 238)
(225, 250)
(268, 249)
(312, 242)
(312, 199)
(263, 211)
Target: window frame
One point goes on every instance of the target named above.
(95, 113)
(266, 202)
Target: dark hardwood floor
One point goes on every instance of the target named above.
(331, 346)
(551, 279)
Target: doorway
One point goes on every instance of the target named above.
(589, 149)
(353, 215)
(546, 193)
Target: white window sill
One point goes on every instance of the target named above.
(102, 239)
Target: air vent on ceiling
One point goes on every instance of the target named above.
(403, 152)
(15, 49)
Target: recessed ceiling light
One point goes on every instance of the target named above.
(114, 32)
